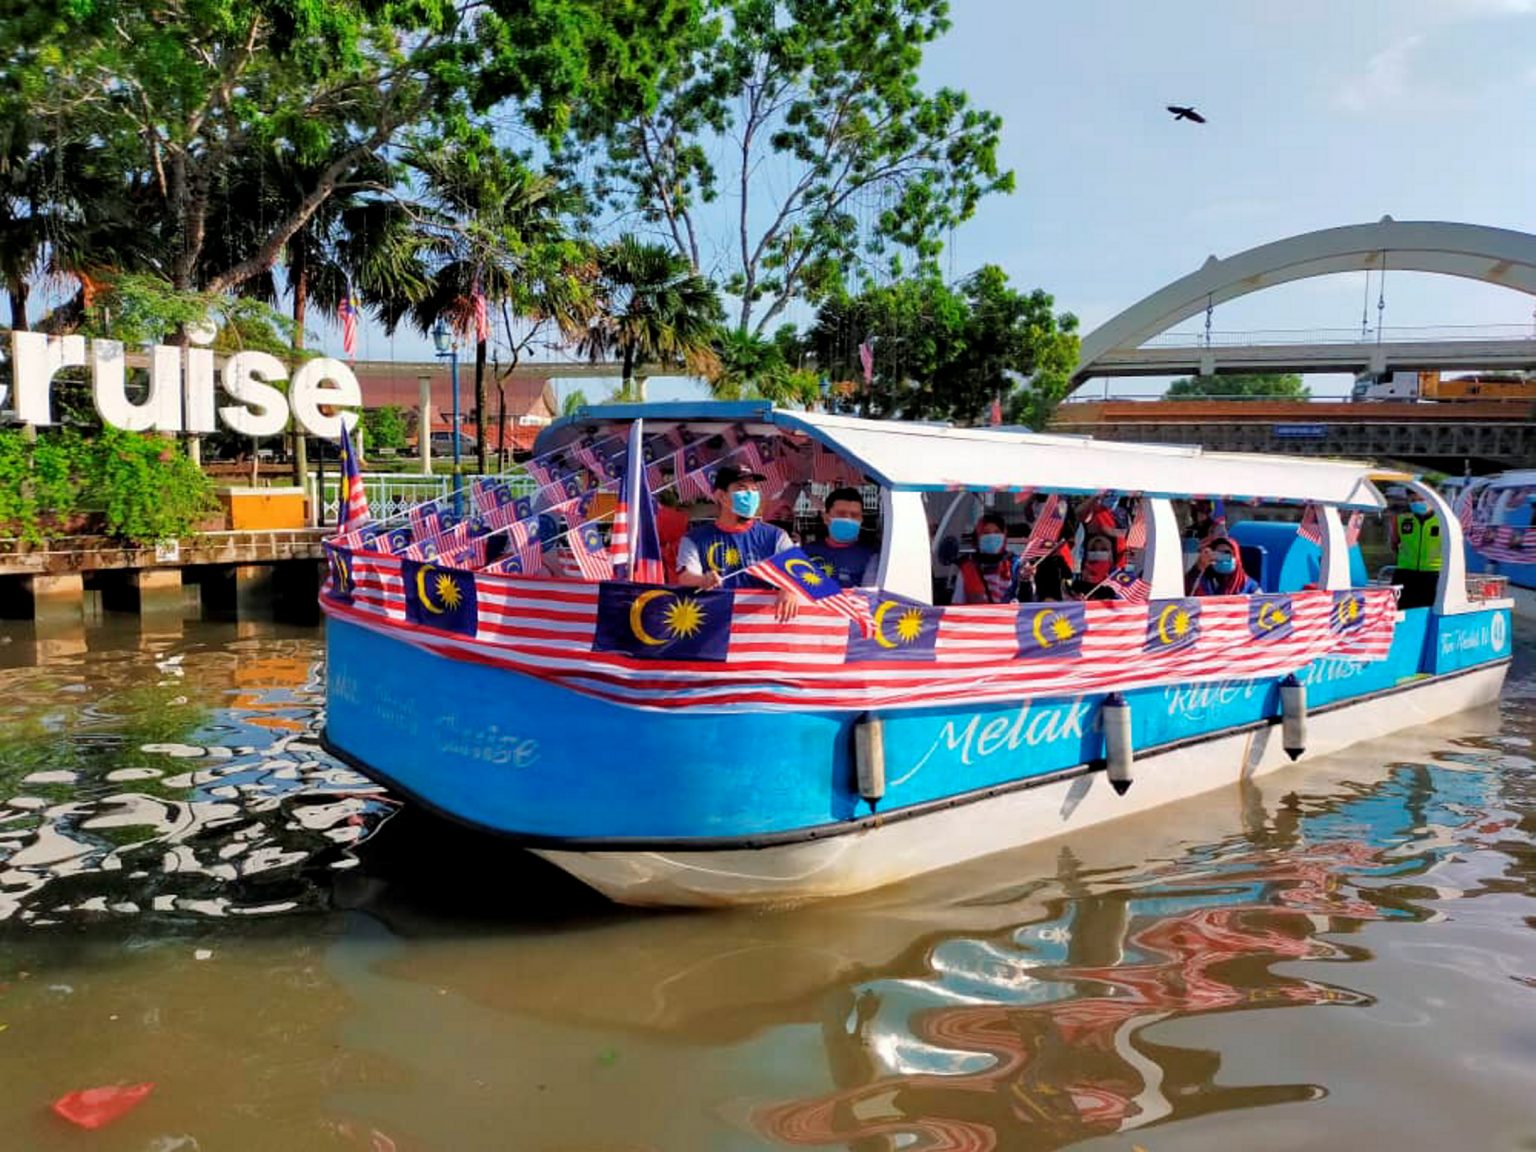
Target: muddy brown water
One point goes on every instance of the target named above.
(192, 894)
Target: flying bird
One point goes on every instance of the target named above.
(1182, 113)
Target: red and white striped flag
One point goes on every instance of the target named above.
(793, 571)
(1047, 529)
(1137, 536)
(1352, 529)
(1311, 527)
(826, 466)
(1134, 588)
(347, 312)
(867, 361)
(354, 510)
(482, 316)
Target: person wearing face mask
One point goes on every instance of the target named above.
(991, 576)
(1098, 563)
(1416, 535)
(840, 555)
(1219, 571)
(712, 553)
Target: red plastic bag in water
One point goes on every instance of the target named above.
(98, 1107)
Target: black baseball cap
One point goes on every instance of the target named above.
(730, 474)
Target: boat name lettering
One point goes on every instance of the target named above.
(386, 711)
(975, 740)
(486, 743)
(1193, 701)
(1331, 668)
(1465, 640)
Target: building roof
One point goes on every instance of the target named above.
(385, 382)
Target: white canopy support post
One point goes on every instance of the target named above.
(906, 565)
(1451, 593)
(1335, 574)
(1162, 561)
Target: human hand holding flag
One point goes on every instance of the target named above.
(794, 572)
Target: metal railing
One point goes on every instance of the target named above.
(1369, 335)
(393, 494)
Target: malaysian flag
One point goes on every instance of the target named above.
(1047, 529)
(586, 544)
(995, 416)
(635, 544)
(354, 509)
(482, 317)
(1137, 536)
(1311, 527)
(347, 312)
(1133, 587)
(867, 361)
(795, 572)
(1352, 529)
(1218, 517)
(424, 521)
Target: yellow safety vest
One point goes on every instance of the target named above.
(1418, 543)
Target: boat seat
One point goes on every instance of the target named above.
(1255, 562)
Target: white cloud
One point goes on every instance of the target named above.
(1387, 82)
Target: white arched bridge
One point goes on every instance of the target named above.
(1137, 342)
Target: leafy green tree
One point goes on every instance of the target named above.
(1281, 386)
(652, 309)
(944, 352)
(196, 84)
(575, 400)
(386, 427)
(826, 96)
(496, 227)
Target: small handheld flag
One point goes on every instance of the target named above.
(354, 505)
(1047, 529)
(793, 571)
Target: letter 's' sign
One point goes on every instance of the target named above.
(181, 396)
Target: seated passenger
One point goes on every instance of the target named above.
(1219, 571)
(991, 576)
(1098, 563)
(712, 553)
(840, 555)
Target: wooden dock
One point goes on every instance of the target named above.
(232, 574)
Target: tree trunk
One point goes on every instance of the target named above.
(18, 290)
(300, 272)
(627, 382)
(501, 425)
(480, 406)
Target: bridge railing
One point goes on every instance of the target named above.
(392, 494)
(1439, 333)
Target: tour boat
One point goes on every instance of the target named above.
(1498, 519)
(671, 746)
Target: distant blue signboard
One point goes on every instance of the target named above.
(1301, 431)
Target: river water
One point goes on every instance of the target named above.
(192, 895)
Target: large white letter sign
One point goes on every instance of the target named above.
(35, 358)
(308, 392)
(160, 411)
(259, 409)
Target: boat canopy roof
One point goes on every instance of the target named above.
(1521, 478)
(907, 456)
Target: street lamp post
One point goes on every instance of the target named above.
(448, 345)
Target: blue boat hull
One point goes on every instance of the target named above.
(577, 777)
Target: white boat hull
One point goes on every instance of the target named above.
(875, 856)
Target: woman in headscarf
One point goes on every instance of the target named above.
(1099, 560)
(1219, 570)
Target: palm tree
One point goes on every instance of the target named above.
(356, 241)
(497, 228)
(653, 309)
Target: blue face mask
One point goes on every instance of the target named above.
(745, 502)
(1224, 565)
(843, 531)
(990, 543)
(1419, 508)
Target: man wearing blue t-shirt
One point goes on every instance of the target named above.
(714, 553)
(840, 555)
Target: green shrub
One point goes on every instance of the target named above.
(144, 487)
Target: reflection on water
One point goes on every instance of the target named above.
(1338, 956)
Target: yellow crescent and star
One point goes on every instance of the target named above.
(1347, 610)
(443, 586)
(682, 618)
(909, 625)
(341, 571)
(810, 576)
(1270, 617)
(1060, 628)
(721, 551)
(1176, 617)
